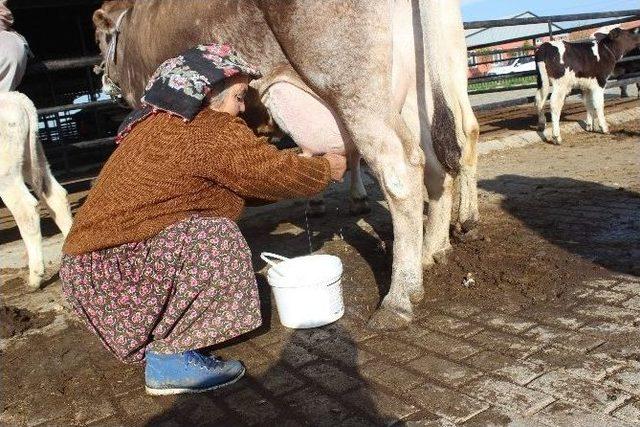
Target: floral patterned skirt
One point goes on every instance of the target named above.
(188, 287)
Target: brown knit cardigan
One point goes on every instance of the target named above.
(166, 170)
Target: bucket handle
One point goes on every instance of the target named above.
(268, 257)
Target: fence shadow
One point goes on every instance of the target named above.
(595, 221)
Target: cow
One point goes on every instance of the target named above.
(389, 76)
(22, 160)
(584, 65)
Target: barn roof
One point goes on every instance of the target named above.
(497, 34)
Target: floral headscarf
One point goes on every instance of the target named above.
(180, 84)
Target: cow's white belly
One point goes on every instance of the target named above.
(569, 81)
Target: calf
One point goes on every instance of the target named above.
(583, 65)
(22, 159)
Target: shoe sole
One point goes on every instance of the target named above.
(170, 391)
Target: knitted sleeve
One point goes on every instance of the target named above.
(234, 157)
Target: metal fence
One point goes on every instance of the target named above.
(83, 157)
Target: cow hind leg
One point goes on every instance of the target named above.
(588, 104)
(55, 197)
(557, 102)
(439, 191)
(24, 208)
(439, 185)
(591, 123)
(598, 105)
(541, 95)
(466, 214)
(400, 176)
(624, 93)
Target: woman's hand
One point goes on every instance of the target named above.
(338, 165)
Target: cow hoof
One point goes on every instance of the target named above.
(440, 257)
(359, 207)
(556, 141)
(589, 128)
(606, 131)
(35, 281)
(469, 225)
(385, 319)
(416, 295)
(427, 261)
(462, 237)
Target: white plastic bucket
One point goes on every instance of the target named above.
(307, 289)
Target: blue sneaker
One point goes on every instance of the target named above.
(188, 372)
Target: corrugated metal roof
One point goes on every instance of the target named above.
(497, 34)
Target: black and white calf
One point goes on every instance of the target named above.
(583, 65)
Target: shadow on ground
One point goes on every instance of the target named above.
(301, 387)
(597, 222)
(524, 117)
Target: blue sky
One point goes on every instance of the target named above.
(473, 10)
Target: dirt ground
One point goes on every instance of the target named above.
(15, 321)
(508, 121)
(553, 218)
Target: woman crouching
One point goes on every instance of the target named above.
(155, 264)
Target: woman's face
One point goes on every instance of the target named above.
(233, 103)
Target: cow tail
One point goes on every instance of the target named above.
(445, 132)
(538, 77)
(432, 56)
(542, 79)
(36, 155)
